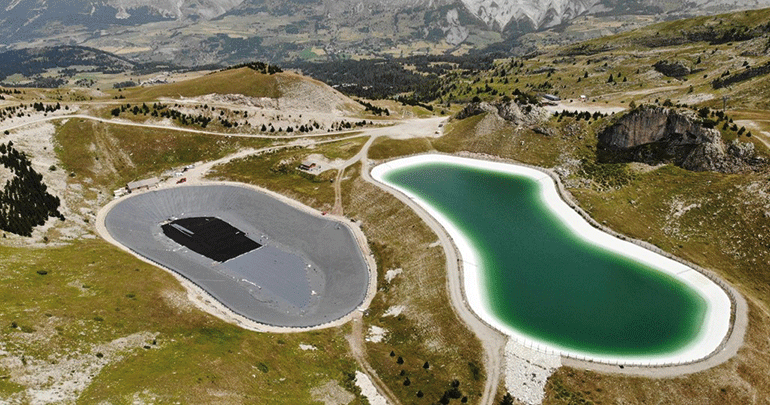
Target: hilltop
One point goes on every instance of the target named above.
(245, 100)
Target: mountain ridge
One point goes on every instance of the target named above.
(199, 32)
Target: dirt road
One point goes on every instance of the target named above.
(492, 341)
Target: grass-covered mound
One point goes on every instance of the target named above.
(245, 81)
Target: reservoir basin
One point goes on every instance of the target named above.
(536, 270)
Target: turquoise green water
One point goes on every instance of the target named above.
(543, 280)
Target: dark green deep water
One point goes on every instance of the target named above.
(543, 280)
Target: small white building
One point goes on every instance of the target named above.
(142, 184)
(307, 166)
(551, 97)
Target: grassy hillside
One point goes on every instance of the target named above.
(277, 171)
(243, 81)
(111, 155)
(88, 316)
(619, 69)
(719, 29)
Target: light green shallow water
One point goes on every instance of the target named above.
(543, 280)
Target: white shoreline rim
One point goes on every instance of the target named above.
(716, 323)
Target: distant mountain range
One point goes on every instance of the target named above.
(196, 32)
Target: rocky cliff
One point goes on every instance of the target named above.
(536, 14)
(519, 114)
(662, 135)
(677, 69)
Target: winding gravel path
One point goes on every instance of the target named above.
(170, 128)
(492, 341)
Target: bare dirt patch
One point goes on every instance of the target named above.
(64, 376)
(331, 393)
(369, 390)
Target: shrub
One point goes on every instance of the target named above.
(507, 399)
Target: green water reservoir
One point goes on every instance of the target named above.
(541, 279)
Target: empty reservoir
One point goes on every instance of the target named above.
(259, 256)
(539, 272)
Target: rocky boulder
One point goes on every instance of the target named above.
(475, 109)
(656, 135)
(677, 69)
(524, 115)
(646, 124)
(512, 112)
(741, 150)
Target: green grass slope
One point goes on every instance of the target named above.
(243, 81)
(618, 69)
(91, 308)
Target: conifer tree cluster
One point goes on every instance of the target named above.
(40, 107)
(580, 115)
(260, 67)
(374, 109)
(24, 201)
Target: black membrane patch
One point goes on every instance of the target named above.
(210, 237)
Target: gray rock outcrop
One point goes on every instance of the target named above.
(647, 124)
(677, 69)
(475, 109)
(524, 115)
(662, 135)
(527, 115)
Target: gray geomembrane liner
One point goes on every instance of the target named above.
(309, 271)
